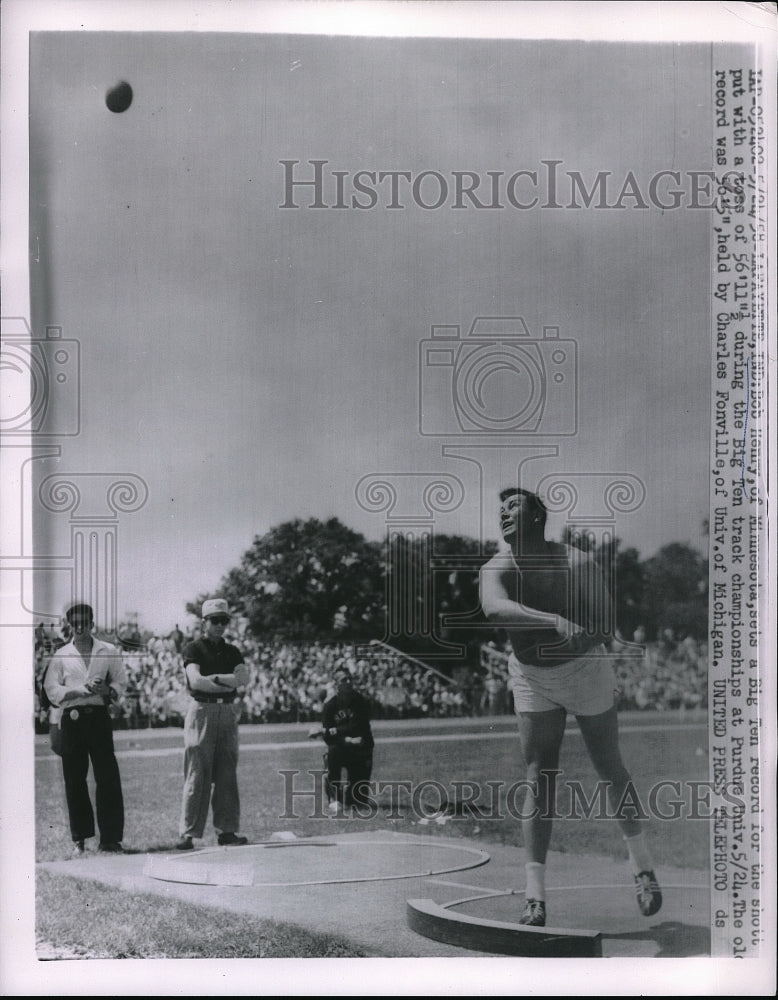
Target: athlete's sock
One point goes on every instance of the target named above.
(639, 854)
(536, 880)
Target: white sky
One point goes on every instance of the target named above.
(252, 364)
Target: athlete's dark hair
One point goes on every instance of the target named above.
(535, 502)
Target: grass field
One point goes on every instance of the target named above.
(482, 751)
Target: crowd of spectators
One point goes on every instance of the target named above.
(289, 682)
(672, 674)
(669, 673)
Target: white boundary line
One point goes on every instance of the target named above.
(552, 888)
(381, 741)
(183, 869)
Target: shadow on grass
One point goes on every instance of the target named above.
(80, 918)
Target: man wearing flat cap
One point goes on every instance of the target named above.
(82, 678)
(216, 677)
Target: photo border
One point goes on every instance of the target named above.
(750, 23)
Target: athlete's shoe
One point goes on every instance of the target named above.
(78, 849)
(534, 914)
(185, 844)
(649, 895)
(232, 840)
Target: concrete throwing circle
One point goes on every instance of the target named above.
(316, 862)
(487, 920)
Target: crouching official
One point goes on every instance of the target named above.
(349, 738)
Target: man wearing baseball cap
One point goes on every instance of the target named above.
(83, 676)
(216, 677)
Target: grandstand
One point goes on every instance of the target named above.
(290, 681)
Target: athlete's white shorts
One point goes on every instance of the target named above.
(584, 686)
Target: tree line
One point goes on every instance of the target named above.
(308, 580)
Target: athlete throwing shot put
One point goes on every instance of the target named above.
(552, 601)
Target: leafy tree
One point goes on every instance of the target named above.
(432, 602)
(669, 590)
(306, 580)
(686, 618)
(318, 579)
(458, 612)
(676, 591)
(624, 573)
